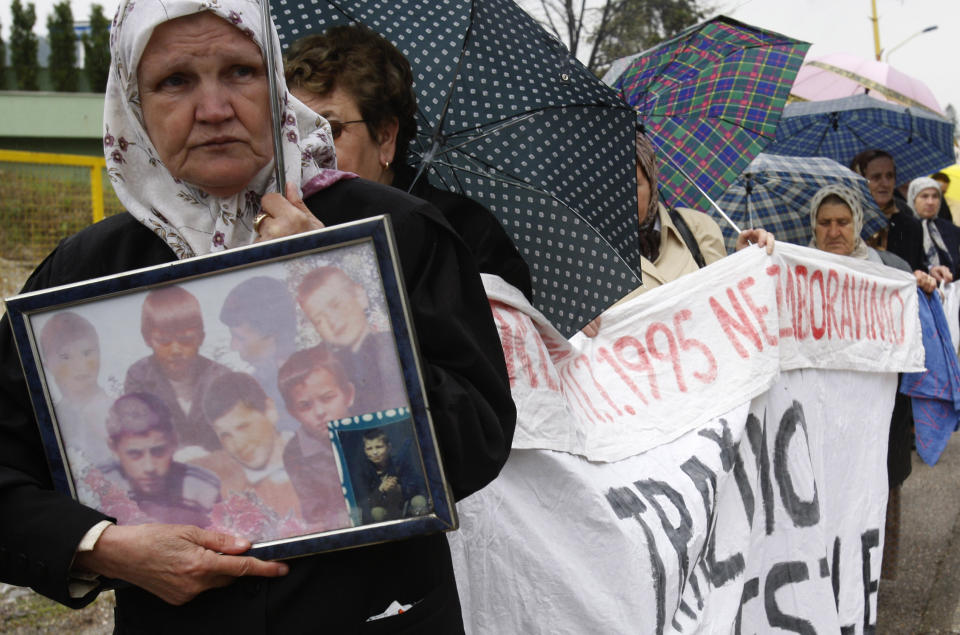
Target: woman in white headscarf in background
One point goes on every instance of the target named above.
(941, 238)
(189, 150)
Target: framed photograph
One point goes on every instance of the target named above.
(272, 392)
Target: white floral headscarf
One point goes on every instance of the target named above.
(191, 221)
(854, 201)
(933, 244)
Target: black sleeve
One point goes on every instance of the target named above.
(40, 528)
(944, 211)
(465, 374)
(950, 234)
(485, 237)
(905, 239)
(466, 378)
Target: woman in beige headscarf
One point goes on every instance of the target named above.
(836, 214)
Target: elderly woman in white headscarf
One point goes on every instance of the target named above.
(188, 143)
(836, 214)
(941, 238)
(189, 150)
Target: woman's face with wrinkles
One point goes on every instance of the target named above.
(203, 90)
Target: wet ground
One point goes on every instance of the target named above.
(23, 612)
(925, 596)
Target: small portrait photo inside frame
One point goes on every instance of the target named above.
(384, 476)
(271, 392)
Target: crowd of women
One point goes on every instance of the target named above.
(189, 148)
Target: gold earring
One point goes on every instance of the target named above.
(386, 165)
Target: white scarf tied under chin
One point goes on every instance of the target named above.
(933, 244)
(854, 201)
(190, 220)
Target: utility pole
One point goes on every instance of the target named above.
(876, 30)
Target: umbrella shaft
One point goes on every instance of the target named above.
(278, 165)
(705, 195)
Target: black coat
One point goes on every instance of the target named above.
(906, 236)
(485, 237)
(469, 395)
(950, 234)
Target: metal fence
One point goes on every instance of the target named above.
(46, 197)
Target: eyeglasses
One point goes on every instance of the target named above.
(336, 127)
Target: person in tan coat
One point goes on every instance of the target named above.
(665, 255)
(674, 259)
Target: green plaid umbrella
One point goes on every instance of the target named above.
(709, 99)
(774, 193)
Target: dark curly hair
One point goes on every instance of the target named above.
(859, 163)
(363, 63)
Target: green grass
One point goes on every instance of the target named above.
(40, 205)
(32, 613)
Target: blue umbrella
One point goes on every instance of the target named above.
(774, 193)
(920, 141)
(508, 117)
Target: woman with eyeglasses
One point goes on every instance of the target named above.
(363, 86)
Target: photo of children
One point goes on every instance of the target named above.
(231, 387)
(142, 439)
(337, 307)
(71, 352)
(171, 324)
(316, 390)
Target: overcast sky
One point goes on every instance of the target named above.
(832, 26)
(844, 26)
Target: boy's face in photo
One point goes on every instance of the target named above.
(175, 350)
(76, 366)
(252, 347)
(248, 434)
(320, 399)
(377, 450)
(145, 459)
(338, 310)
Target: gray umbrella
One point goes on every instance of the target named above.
(508, 117)
(774, 193)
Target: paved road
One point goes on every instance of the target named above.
(925, 596)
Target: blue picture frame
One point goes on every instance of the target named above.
(116, 308)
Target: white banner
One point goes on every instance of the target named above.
(769, 517)
(702, 464)
(682, 354)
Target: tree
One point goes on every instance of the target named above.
(3, 62)
(63, 48)
(96, 50)
(23, 45)
(614, 28)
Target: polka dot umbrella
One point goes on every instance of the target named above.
(508, 117)
(709, 99)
